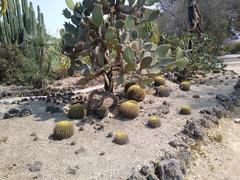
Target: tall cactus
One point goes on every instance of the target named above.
(20, 21)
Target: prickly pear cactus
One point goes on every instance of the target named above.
(108, 33)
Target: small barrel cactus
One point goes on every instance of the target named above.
(159, 81)
(136, 93)
(128, 85)
(185, 110)
(121, 138)
(102, 112)
(63, 130)
(185, 86)
(154, 122)
(129, 109)
(77, 111)
(163, 91)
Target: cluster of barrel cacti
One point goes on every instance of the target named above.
(107, 31)
(20, 21)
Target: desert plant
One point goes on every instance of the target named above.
(121, 138)
(129, 109)
(185, 110)
(77, 111)
(154, 121)
(3, 6)
(159, 81)
(185, 86)
(102, 112)
(128, 85)
(113, 44)
(163, 91)
(136, 93)
(63, 130)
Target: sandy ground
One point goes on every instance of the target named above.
(221, 159)
(58, 157)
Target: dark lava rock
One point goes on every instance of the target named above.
(53, 109)
(11, 113)
(177, 143)
(169, 169)
(98, 127)
(73, 143)
(109, 135)
(80, 150)
(35, 167)
(25, 112)
(144, 170)
(136, 176)
(151, 176)
(166, 103)
(196, 96)
(193, 130)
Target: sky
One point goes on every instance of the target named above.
(52, 10)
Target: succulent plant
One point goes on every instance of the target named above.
(163, 91)
(154, 122)
(129, 109)
(136, 93)
(159, 81)
(63, 130)
(121, 138)
(89, 34)
(102, 112)
(185, 86)
(185, 110)
(129, 84)
(77, 111)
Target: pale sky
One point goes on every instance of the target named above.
(52, 10)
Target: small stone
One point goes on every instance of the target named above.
(73, 143)
(36, 138)
(53, 109)
(166, 103)
(25, 112)
(109, 135)
(37, 166)
(237, 121)
(144, 170)
(72, 171)
(80, 150)
(81, 128)
(33, 134)
(98, 127)
(152, 176)
(102, 153)
(196, 96)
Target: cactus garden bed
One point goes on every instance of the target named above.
(110, 148)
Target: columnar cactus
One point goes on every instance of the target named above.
(18, 22)
(112, 43)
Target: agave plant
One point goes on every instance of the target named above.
(107, 31)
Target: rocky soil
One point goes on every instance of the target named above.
(28, 152)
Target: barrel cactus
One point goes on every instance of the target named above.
(63, 130)
(129, 109)
(136, 93)
(185, 86)
(128, 85)
(121, 138)
(163, 91)
(185, 110)
(159, 81)
(102, 112)
(154, 122)
(77, 111)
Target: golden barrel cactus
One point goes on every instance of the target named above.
(77, 111)
(136, 93)
(163, 91)
(154, 122)
(121, 138)
(129, 109)
(185, 110)
(63, 130)
(185, 86)
(159, 81)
